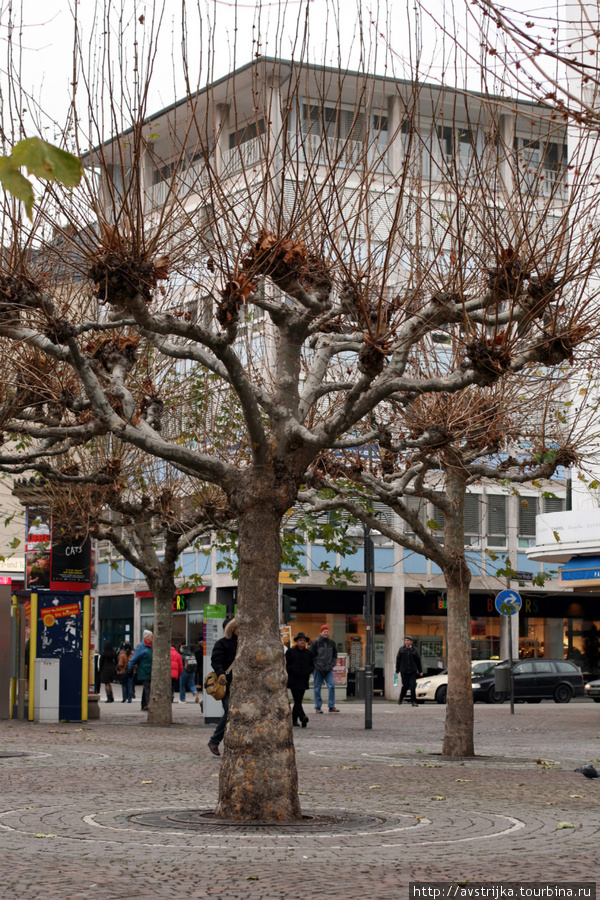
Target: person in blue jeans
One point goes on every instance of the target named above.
(324, 654)
(187, 679)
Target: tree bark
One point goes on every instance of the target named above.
(458, 729)
(258, 779)
(160, 710)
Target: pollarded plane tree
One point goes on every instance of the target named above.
(424, 459)
(285, 236)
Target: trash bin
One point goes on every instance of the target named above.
(359, 691)
(502, 679)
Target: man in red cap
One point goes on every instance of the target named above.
(324, 654)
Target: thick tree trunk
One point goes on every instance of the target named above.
(258, 779)
(458, 730)
(160, 711)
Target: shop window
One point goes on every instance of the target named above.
(496, 521)
(528, 510)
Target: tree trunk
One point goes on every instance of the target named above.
(258, 779)
(160, 710)
(458, 730)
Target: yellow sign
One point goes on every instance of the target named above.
(286, 578)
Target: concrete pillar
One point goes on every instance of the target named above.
(394, 634)
(553, 638)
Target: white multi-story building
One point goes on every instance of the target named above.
(251, 130)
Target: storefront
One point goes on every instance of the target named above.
(554, 626)
(188, 614)
(342, 612)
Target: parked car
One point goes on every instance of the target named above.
(592, 690)
(435, 687)
(535, 680)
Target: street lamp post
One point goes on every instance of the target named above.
(369, 614)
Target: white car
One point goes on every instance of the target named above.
(435, 687)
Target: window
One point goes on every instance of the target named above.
(247, 133)
(523, 668)
(496, 524)
(554, 504)
(415, 504)
(456, 146)
(333, 122)
(438, 516)
(528, 510)
(543, 666)
(472, 519)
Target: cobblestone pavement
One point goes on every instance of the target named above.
(76, 812)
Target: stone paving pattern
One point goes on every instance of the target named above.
(65, 831)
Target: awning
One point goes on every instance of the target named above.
(581, 571)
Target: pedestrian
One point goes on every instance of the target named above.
(142, 658)
(299, 664)
(187, 679)
(324, 654)
(176, 670)
(221, 660)
(108, 669)
(408, 664)
(125, 677)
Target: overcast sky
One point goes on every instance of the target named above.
(223, 33)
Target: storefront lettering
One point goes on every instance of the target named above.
(531, 606)
(179, 604)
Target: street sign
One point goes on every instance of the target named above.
(508, 603)
(523, 576)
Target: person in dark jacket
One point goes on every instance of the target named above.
(408, 664)
(221, 660)
(108, 669)
(324, 654)
(142, 658)
(299, 664)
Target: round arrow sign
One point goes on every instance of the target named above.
(508, 603)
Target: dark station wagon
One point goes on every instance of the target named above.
(535, 680)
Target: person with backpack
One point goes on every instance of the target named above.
(187, 679)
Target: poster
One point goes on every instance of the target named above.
(37, 549)
(52, 564)
(70, 564)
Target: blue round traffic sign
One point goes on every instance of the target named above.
(508, 603)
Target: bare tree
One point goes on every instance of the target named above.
(292, 237)
(146, 510)
(511, 434)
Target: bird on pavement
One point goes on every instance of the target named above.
(589, 771)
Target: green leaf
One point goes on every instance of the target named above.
(16, 184)
(433, 525)
(43, 160)
(565, 825)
